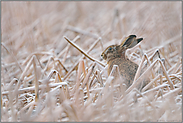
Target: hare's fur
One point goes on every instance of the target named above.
(127, 69)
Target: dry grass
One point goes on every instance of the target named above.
(44, 78)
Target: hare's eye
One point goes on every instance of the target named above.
(110, 48)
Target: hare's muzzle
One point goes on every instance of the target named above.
(103, 56)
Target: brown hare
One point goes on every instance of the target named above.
(115, 55)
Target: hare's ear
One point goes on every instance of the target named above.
(128, 41)
(131, 41)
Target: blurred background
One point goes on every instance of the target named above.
(40, 26)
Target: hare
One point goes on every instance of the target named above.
(115, 55)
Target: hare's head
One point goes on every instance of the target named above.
(118, 51)
(111, 52)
